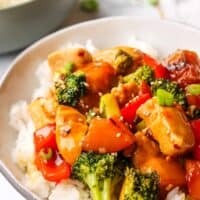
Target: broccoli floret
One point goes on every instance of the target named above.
(69, 89)
(144, 73)
(122, 62)
(89, 5)
(154, 2)
(171, 87)
(102, 173)
(140, 186)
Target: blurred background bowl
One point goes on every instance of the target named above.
(23, 24)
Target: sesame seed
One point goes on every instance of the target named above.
(80, 120)
(118, 135)
(100, 94)
(121, 118)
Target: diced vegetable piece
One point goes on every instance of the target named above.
(196, 130)
(42, 112)
(70, 130)
(165, 98)
(101, 173)
(46, 153)
(151, 62)
(171, 87)
(107, 135)
(122, 62)
(109, 106)
(193, 89)
(169, 127)
(193, 178)
(144, 73)
(129, 111)
(140, 186)
(145, 88)
(170, 171)
(100, 77)
(45, 137)
(51, 171)
(69, 68)
(196, 152)
(110, 55)
(159, 70)
(89, 5)
(70, 90)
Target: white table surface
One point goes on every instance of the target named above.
(171, 9)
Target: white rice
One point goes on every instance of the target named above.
(23, 153)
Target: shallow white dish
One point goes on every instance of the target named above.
(19, 81)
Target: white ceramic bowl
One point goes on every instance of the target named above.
(19, 82)
(25, 23)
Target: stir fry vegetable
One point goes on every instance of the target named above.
(121, 122)
(171, 87)
(138, 185)
(71, 89)
(102, 173)
(47, 155)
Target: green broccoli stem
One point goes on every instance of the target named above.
(106, 192)
(98, 192)
(92, 182)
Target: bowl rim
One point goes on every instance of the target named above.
(7, 8)
(3, 169)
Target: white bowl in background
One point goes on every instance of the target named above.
(25, 23)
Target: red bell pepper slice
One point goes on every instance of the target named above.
(196, 129)
(193, 100)
(129, 111)
(51, 171)
(193, 178)
(159, 70)
(45, 137)
(144, 88)
(151, 62)
(196, 152)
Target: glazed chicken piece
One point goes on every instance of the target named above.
(169, 127)
(43, 111)
(123, 59)
(145, 149)
(184, 67)
(125, 92)
(78, 56)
